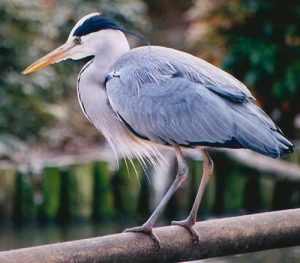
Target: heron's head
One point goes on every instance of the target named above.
(84, 40)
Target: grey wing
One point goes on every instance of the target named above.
(166, 98)
(177, 111)
(159, 62)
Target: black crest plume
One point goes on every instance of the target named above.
(99, 22)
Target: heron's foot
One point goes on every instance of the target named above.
(189, 225)
(145, 230)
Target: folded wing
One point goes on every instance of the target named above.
(162, 100)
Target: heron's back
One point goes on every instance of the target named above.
(172, 98)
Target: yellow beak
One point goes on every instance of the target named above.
(56, 55)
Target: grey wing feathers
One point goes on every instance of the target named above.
(173, 62)
(174, 113)
(161, 102)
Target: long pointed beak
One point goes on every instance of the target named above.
(56, 55)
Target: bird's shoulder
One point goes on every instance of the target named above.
(155, 64)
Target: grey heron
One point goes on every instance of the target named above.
(143, 98)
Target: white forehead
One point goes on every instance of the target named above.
(80, 22)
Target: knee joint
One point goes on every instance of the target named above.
(183, 171)
(210, 165)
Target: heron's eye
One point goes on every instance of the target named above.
(77, 40)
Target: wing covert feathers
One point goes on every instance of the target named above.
(170, 97)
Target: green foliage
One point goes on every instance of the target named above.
(103, 207)
(17, 103)
(262, 48)
(81, 191)
(51, 189)
(126, 185)
(7, 190)
(260, 45)
(24, 207)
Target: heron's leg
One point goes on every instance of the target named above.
(191, 219)
(180, 177)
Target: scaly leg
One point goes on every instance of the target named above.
(180, 177)
(189, 222)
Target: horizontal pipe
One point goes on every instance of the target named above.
(277, 168)
(218, 237)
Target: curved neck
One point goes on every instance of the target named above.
(91, 80)
(111, 45)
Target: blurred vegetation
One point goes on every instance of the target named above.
(257, 41)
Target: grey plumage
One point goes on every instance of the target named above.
(170, 97)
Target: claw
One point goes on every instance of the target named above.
(190, 227)
(145, 230)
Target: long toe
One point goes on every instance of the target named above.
(190, 227)
(145, 230)
(140, 229)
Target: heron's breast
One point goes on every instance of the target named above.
(95, 105)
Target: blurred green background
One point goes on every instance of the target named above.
(59, 179)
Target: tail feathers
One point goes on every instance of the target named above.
(256, 131)
(285, 146)
(267, 142)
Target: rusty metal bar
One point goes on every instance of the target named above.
(219, 237)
